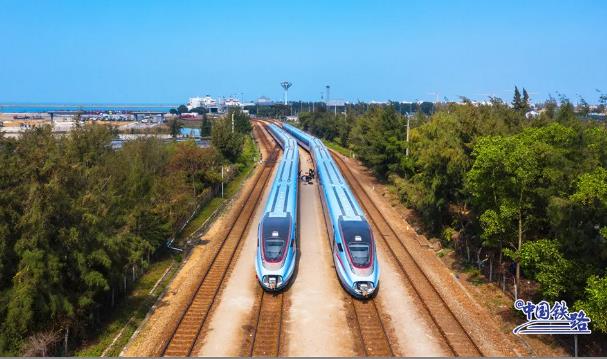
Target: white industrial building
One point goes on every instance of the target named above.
(207, 102)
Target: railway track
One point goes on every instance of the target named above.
(190, 323)
(372, 332)
(369, 327)
(266, 337)
(456, 337)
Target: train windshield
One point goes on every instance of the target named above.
(359, 253)
(275, 232)
(357, 236)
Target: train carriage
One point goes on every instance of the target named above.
(352, 243)
(276, 235)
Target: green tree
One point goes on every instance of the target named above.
(182, 109)
(440, 166)
(205, 126)
(327, 125)
(517, 101)
(77, 218)
(242, 121)
(583, 107)
(602, 102)
(566, 112)
(595, 302)
(544, 261)
(525, 101)
(550, 105)
(175, 127)
(512, 178)
(228, 143)
(378, 138)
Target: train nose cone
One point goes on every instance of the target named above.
(365, 289)
(272, 282)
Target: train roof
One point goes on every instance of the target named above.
(340, 197)
(285, 182)
(336, 187)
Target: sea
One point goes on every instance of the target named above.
(41, 108)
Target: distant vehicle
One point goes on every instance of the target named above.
(352, 242)
(37, 117)
(188, 115)
(21, 117)
(276, 234)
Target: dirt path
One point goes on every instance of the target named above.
(226, 331)
(316, 321)
(410, 329)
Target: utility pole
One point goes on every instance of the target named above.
(407, 149)
(232, 121)
(221, 181)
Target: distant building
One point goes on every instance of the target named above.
(206, 102)
(231, 102)
(264, 101)
(598, 116)
(373, 102)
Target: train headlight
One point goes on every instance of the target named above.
(364, 288)
(272, 281)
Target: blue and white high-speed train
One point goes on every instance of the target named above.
(352, 243)
(276, 234)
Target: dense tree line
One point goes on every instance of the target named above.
(77, 218)
(327, 125)
(488, 180)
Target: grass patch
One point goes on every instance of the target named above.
(130, 312)
(443, 252)
(341, 149)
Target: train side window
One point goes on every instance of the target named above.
(339, 247)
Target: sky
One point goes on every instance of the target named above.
(115, 51)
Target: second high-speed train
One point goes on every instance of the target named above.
(276, 234)
(352, 243)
